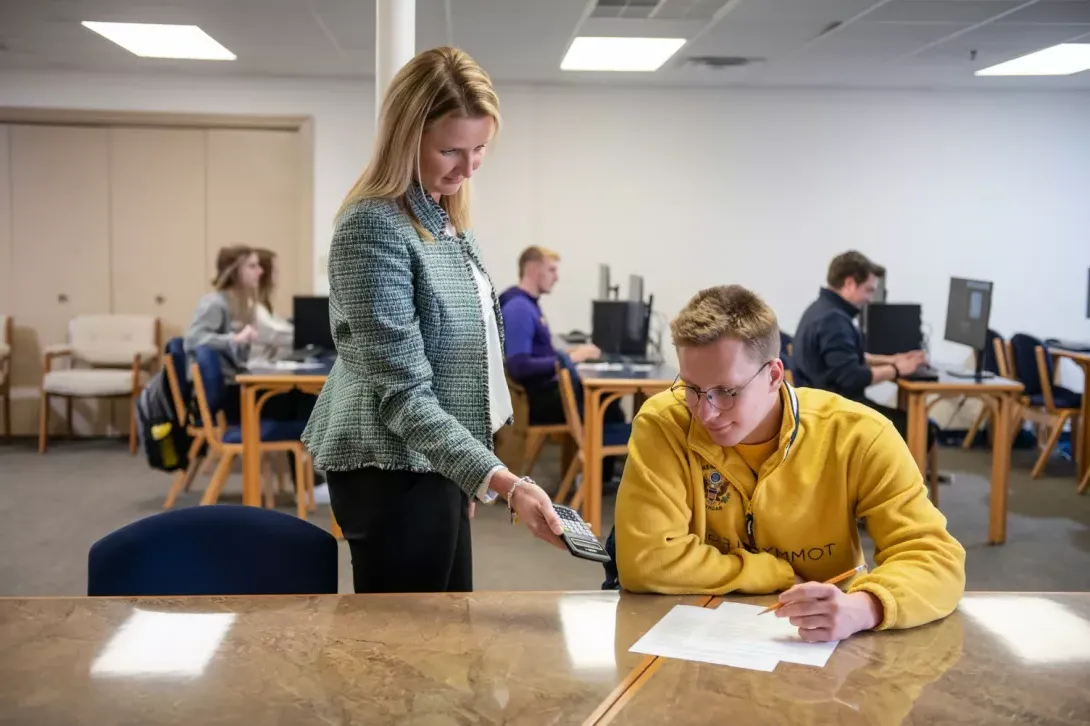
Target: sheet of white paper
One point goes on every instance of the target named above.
(739, 628)
(671, 637)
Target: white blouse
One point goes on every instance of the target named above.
(499, 398)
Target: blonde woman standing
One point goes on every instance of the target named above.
(404, 426)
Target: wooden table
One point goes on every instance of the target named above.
(601, 388)
(1000, 395)
(515, 658)
(1081, 448)
(255, 388)
(1001, 658)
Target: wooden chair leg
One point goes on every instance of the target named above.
(334, 528)
(267, 486)
(534, 442)
(183, 478)
(219, 478)
(280, 463)
(43, 424)
(933, 473)
(7, 413)
(300, 484)
(133, 438)
(568, 480)
(196, 459)
(1085, 481)
(967, 443)
(1054, 437)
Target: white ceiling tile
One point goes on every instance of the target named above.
(1072, 11)
(879, 41)
(941, 11)
(800, 11)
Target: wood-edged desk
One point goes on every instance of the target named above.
(1001, 396)
(256, 387)
(601, 388)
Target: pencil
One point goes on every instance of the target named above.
(839, 578)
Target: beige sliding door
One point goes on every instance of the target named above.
(157, 212)
(254, 196)
(60, 221)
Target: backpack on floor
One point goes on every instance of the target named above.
(162, 436)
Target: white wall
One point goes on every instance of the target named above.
(697, 187)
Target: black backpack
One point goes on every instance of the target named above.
(163, 437)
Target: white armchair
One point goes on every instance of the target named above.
(108, 356)
(7, 326)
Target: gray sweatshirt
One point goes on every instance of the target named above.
(212, 326)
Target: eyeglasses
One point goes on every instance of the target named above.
(719, 397)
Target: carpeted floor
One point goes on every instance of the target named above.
(53, 507)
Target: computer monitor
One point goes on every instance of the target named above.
(635, 288)
(892, 328)
(968, 310)
(310, 316)
(621, 327)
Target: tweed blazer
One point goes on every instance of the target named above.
(409, 389)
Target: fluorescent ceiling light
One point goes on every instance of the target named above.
(148, 40)
(1059, 60)
(619, 54)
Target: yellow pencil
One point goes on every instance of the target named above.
(839, 578)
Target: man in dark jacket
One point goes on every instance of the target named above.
(828, 348)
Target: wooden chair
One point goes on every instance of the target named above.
(225, 442)
(534, 436)
(181, 392)
(108, 356)
(614, 439)
(1045, 405)
(7, 326)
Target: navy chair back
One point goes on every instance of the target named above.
(990, 362)
(1025, 362)
(211, 368)
(214, 550)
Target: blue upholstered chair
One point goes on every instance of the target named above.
(220, 550)
(614, 435)
(225, 441)
(1046, 404)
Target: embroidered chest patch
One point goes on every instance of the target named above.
(716, 489)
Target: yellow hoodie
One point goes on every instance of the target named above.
(692, 518)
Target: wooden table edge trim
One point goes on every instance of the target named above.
(632, 683)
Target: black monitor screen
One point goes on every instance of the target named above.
(620, 326)
(967, 312)
(310, 316)
(892, 328)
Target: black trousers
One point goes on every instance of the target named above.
(407, 532)
(900, 421)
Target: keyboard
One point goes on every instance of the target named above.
(923, 373)
(305, 354)
(636, 360)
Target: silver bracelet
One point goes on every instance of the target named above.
(511, 494)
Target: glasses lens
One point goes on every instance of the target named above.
(721, 399)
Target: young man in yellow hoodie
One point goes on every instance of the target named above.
(738, 482)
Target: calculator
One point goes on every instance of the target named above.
(577, 536)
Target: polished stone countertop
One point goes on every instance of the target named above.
(1001, 658)
(516, 658)
(487, 658)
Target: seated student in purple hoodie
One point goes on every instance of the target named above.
(530, 355)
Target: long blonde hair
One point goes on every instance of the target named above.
(239, 300)
(434, 83)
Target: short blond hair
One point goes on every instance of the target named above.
(728, 311)
(535, 253)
